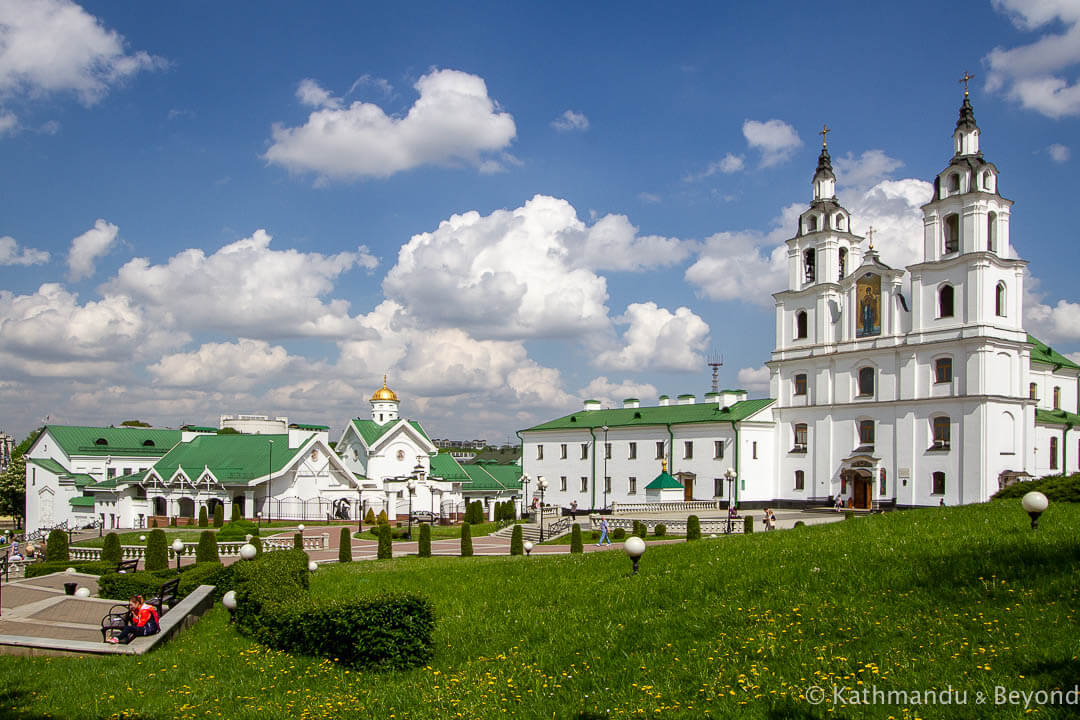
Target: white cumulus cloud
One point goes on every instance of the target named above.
(10, 254)
(234, 366)
(611, 394)
(774, 139)
(88, 247)
(658, 339)
(570, 120)
(1058, 153)
(754, 379)
(453, 121)
(727, 165)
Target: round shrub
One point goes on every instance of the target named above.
(575, 539)
(111, 550)
(618, 533)
(799, 523)
(235, 512)
(595, 534)
(640, 529)
(466, 540)
(693, 528)
(344, 554)
(207, 550)
(424, 546)
(386, 550)
(748, 524)
(56, 547)
(238, 530)
(203, 522)
(660, 530)
(157, 551)
(517, 543)
(219, 515)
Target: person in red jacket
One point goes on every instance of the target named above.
(143, 621)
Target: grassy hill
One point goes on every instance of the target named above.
(963, 598)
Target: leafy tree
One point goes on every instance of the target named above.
(13, 490)
(693, 528)
(219, 515)
(207, 550)
(135, 423)
(56, 547)
(228, 431)
(575, 539)
(203, 522)
(345, 546)
(386, 550)
(424, 546)
(517, 545)
(29, 440)
(157, 551)
(466, 540)
(111, 550)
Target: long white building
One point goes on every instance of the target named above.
(883, 393)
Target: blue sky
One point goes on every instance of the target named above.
(210, 208)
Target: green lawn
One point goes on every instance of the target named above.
(734, 627)
(438, 532)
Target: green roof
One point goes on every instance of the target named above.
(371, 431)
(1041, 352)
(81, 479)
(492, 477)
(1056, 417)
(114, 482)
(656, 415)
(49, 464)
(129, 441)
(664, 481)
(446, 467)
(304, 426)
(233, 459)
(82, 501)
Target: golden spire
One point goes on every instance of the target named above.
(663, 465)
(384, 393)
(825, 130)
(870, 236)
(967, 76)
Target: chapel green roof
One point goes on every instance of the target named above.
(371, 431)
(1041, 352)
(82, 501)
(656, 415)
(122, 441)
(49, 464)
(80, 479)
(446, 467)
(115, 482)
(1056, 417)
(664, 481)
(233, 459)
(492, 477)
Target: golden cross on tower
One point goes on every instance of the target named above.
(870, 236)
(825, 130)
(967, 76)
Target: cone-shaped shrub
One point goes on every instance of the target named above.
(258, 546)
(203, 521)
(344, 553)
(157, 551)
(298, 541)
(386, 550)
(369, 519)
(424, 546)
(517, 545)
(219, 515)
(382, 519)
(56, 547)
(575, 539)
(693, 528)
(236, 512)
(640, 529)
(466, 540)
(748, 526)
(111, 551)
(206, 550)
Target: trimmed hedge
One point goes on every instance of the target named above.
(238, 530)
(121, 586)
(207, 550)
(219, 515)
(660, 530)
(748, 524)
(386, 550)
(575, 539)
(344, 554)
(298, 541)
(157, 551)
(1056, 488)
(693, 528)
(423, 548)
(56, 547)
(517, 544)
(799, 523)
(203, 521)
(111, 550)
(466, 540)
(618, 533)
(96, 567)
(206, 573)
(235, 513)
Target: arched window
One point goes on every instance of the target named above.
(800, 325)
(866, 381)
(800, 437)
(942, 432)
(800, 480)
(1006, 440)
(843, 262)
(945, 301)
(999, 300)
(1033, 391)
(101, 441)
(988, 181)
(951, 227)
(943, 370)
(1053, 453)
(811, 223)
(991, 232)
(866, 432)
(839, 221)
(954, 183)
(148, 443)
(1057, 397)
(938, 485)
(809, 258)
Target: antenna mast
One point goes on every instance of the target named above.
(715, 362)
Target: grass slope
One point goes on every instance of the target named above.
(737, 627)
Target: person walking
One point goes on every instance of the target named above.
(603, 533)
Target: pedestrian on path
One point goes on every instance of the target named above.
(603, 533)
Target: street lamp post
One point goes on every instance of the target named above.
(269, 473)
(729, 475)
(178, 547)
(412, 488)
(605, 429)
(541, 484)
(525, 500)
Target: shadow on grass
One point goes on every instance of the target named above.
(13, 702)
(1054, 674)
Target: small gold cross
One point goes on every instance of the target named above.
(870, 236)
(967, 76)
(825, 130)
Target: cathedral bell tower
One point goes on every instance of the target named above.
(384, 405)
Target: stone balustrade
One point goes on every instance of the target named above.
(718, 526)
(229, 548)
(647, 507)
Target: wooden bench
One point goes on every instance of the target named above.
(166, 595)
(126, 566)
(119, 615)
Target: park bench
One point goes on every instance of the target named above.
(126, 566)
(119, 615)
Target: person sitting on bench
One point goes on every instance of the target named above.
(143, 621)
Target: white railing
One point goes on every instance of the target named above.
(230, 548)
(718, 526)
(625, 508)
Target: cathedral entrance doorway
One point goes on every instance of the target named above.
(862, 490)
(687, 480)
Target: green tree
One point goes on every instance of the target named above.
(386, 550)
(111, 550)
(207, 550)
(575, 539)
(344, 554)
(466, 540)
(56, 547)
(369, 519)
(517, 544)
(203, 521)
(298, 541)
(382, 519)
(236, 511)
(219, 515)
(693, 528)
(135, 423)
(424, 546)
(157, 551)
(13, 490)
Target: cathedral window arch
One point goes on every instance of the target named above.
(800, 480)
(801, 325)
(867, 431)
(1057, 397)
(800, 384)
(937, 486)
(988, 181)
(951, 230)
(946, 298)
(865, 381)
(999, 300)
(991, 232)
(843, 263)
(1033, 391)
(800, 438)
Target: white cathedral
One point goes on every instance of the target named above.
(878, 398)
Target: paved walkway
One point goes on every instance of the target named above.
(38, 607)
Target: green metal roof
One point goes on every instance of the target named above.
(446, 467)
(100, 441)
(1056, 417)
(80, 479)
(82, 501)
(233, 459)
(115, 482)
(49, 464)
(1041, 352)
(664, 481)
(492, 477)
(655, 415)
(371, 431)
(304, 426)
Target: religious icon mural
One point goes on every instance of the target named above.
(868, 296)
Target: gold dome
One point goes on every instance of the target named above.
(384, 393)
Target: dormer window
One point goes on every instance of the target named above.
(148, 443)
(945, 301)
(101, 441)
(800, 325)
(951, 229)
